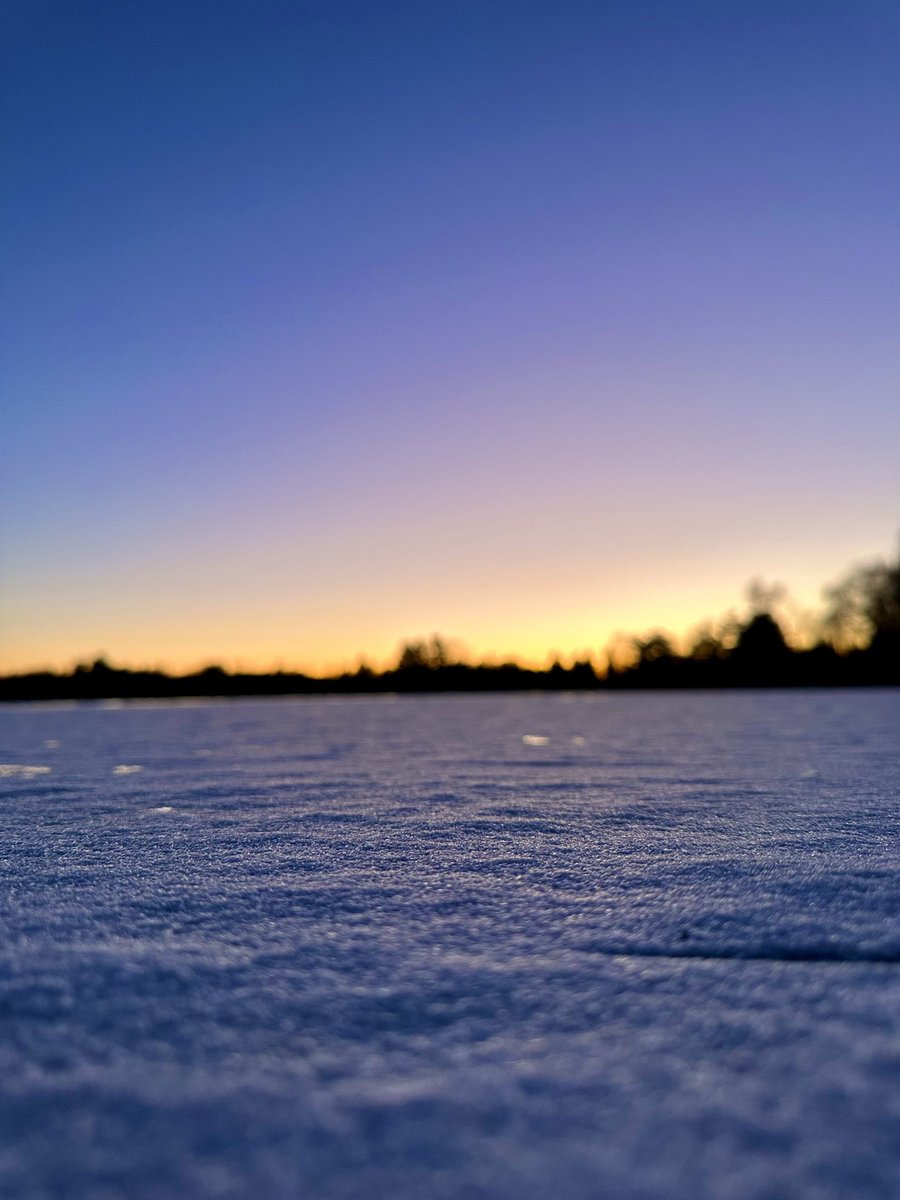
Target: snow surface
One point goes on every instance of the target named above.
(636, 947)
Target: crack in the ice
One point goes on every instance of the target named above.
(737, 954)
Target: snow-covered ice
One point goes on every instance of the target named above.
(635, 947)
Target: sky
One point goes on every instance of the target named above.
(325, 325)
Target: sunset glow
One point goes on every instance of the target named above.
(326, 326)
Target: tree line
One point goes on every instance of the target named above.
(856, 643)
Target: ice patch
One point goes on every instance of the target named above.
(535, 739)
(18, 771)
(127, 769)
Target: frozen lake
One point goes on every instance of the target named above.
(631, 946)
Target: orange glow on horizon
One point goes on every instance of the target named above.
(531, 639)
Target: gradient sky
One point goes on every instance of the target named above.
(329, 324)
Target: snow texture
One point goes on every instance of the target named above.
(636, 947)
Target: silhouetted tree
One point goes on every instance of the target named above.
(582, 674)
(428, 655)
(98, 668)
(864, 607)
(761, 656)
(652, 648)
(706, 644)
(762, 638)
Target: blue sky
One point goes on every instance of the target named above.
(330, 324)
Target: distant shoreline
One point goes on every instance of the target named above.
(820, 667)
(858, 645)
